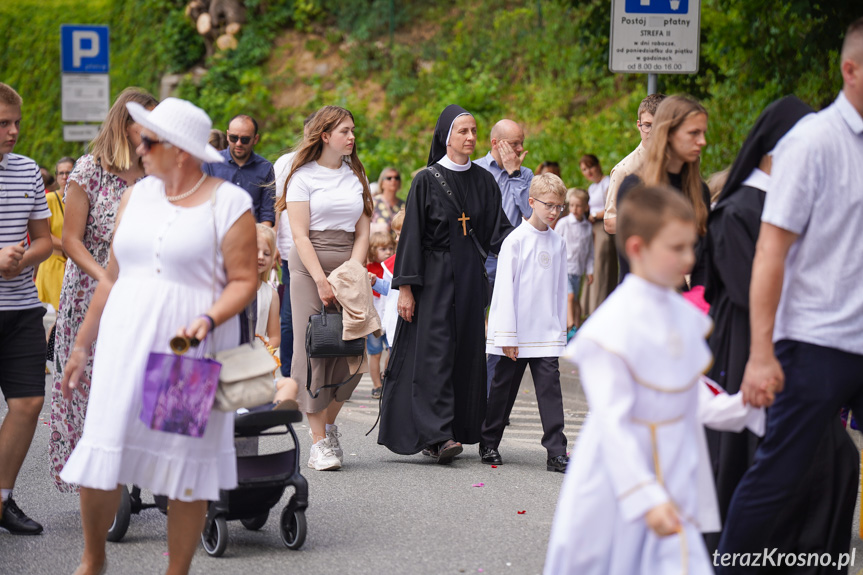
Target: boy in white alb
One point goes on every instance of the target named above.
(639, 493)
(527, 323)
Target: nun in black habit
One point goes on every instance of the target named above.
(434, 394)
(732, 232)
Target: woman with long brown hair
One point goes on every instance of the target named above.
(92, 197)
(329, 206)
(674, 158)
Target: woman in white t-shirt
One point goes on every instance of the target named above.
(329, 206)
(604, 252)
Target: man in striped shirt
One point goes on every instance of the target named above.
(23, 211)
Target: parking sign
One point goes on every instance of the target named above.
(84, 49)
(655, 36)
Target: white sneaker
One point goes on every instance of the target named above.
(333, 437)
(322, 458)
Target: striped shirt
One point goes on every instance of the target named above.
(22, 198)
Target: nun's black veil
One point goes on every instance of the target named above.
(773, 123)
(441, 131)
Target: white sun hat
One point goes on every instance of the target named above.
(180, 123)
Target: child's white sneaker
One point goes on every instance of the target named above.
(322, 457)
(333, 437)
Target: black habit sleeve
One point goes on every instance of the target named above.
(502, 226)
(409, 268)
(734, 233)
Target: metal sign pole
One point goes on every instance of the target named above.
(651, 83)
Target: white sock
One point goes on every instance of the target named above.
(331, 427)
(5, 494)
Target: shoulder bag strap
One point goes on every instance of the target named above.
(59, 203)
(449, 193)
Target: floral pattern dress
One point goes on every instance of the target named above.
(104, 191)
(383, 213)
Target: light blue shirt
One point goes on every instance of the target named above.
(815, 191)
(514, 195)
(514, 191)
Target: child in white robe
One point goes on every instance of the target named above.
(527, 324)
(639, 491)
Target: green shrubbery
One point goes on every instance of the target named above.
(497, 58)
(30, 46)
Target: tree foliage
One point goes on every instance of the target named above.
(543, 63)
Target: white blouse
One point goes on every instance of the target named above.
(335, 196)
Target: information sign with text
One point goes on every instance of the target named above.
(655, 36)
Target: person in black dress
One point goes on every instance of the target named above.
(434, 394)
(674, 158)
(732, 232)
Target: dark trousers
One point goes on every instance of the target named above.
(818, 382)
(504, 389)
(286, 348)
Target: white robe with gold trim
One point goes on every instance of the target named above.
(640, 358)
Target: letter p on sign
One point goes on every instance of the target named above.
(84, 49)
(79, 39)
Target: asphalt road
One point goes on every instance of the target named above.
(381, 514)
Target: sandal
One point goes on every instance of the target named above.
(447, 451)
(286, 404)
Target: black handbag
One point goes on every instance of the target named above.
(324, 340)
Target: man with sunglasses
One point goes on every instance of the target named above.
(504, 162)
(631, 163)
(245, 168)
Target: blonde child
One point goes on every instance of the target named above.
(526, 323)
(577, 232)
(639, 490)
(268, 327)
(381, 247)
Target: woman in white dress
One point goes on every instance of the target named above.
(182, 262)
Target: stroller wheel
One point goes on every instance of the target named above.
(215, 537)
(293, 527)
(255, 523)
(121, 520)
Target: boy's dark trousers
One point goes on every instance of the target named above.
(504, 389)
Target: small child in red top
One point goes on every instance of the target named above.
(381, 246)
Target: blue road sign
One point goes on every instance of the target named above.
(657, 6)
(84, 49)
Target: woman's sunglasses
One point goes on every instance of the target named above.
(393, 178)
(147, 143)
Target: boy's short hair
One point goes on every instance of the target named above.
(379, 240)
(649, 105)
(547, 183)
(398, 221)
(579, 194)
(9, 96)
(645, 210)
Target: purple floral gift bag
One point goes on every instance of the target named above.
(178, 393)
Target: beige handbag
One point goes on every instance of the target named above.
(246, 379)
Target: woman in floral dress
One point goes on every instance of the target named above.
(92, 197)
(387, 204)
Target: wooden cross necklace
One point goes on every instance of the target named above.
(463, 219)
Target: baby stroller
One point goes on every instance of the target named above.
(261, 479)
